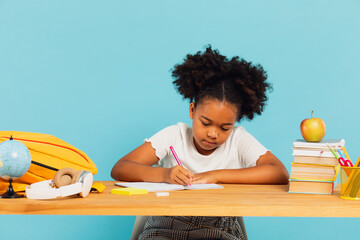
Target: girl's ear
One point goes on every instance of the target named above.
(192, 109)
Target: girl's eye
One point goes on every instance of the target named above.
(225, 129)
(205, 124)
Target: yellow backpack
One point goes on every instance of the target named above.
(48, 155)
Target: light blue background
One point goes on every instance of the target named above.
(97, 75)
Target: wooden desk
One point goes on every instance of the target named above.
(233, 200)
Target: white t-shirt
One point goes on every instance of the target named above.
(240, 150)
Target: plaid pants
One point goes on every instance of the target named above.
(183, 228)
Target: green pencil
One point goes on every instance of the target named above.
(333, 152)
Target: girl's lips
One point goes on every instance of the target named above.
(209, 143)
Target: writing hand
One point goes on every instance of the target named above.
(178, 175)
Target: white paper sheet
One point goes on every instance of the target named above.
(155, 187)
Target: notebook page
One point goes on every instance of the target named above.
(203, 186)
(154, 187)
(151, 187)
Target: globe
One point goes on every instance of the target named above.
(15, 159)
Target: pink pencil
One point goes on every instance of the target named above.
(176, 157)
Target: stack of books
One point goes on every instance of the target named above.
(315, 168)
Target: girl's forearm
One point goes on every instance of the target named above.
(263, 174)
(135, 172)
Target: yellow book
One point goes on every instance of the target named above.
(314, 172)
(311, 187)
(316, 160)
(129, 191)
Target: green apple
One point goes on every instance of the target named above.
(313, 129)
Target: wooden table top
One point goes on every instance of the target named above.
(232, 200)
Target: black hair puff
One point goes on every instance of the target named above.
(210, 75)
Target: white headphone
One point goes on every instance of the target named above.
(68, 182)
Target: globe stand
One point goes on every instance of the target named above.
(10, 193)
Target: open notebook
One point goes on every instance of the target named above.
(155, 187)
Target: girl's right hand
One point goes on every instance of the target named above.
(178, 175)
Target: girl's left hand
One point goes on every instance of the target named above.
(205, 177)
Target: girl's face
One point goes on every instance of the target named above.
(213, 121)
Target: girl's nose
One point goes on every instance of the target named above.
(212, 133)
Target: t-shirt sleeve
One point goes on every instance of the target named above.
(249, 149)
(163, 139)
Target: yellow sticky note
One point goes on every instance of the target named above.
(129, 191)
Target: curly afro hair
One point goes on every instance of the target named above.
(210, 75)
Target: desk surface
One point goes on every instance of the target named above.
(232, 200)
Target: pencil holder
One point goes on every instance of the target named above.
(350, 183)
